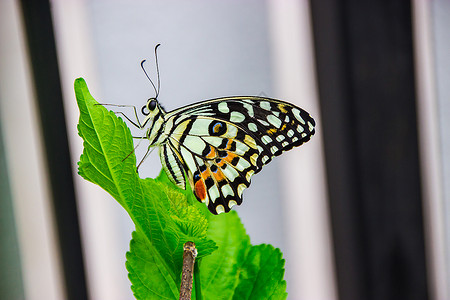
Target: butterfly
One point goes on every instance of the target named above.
(221, 143)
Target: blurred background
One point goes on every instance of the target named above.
(362, 211)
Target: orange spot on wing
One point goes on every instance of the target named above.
(200, 190)
(229, 157)
(205, 174)
(283, 127)
(229, 143)
(218, 175)
(212, 153)
(220, 163)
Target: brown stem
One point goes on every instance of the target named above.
(189, 255)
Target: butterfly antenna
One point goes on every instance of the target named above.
(157, 68)
(148, 77)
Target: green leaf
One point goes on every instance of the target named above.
(261, 275)
(149, 276)
(238, 270)
(166, 217)
(219, 271)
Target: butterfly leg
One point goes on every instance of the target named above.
(138, 124)
(149, 150)
(134, 149)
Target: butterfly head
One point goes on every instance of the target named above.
(152, 109)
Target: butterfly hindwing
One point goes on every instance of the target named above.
(171, 162)
(221, 143)
(218, 158)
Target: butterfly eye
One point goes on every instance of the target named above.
(152, 104)
(217, 128)
(145, 110)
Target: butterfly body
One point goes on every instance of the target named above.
(220, 143)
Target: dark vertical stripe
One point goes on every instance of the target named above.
(42, 50)
(364, 60)
(187, 130)
(169, 165)
(152, 128)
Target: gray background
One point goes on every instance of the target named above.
(209, 49)
(441, 23)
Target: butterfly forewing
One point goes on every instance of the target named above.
(221, 143)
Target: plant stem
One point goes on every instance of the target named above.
(189, 255)
(198, 286)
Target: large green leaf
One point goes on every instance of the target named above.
(166, 217)
(238, 270)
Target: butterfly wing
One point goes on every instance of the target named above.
(221, 143)
(172, 164)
